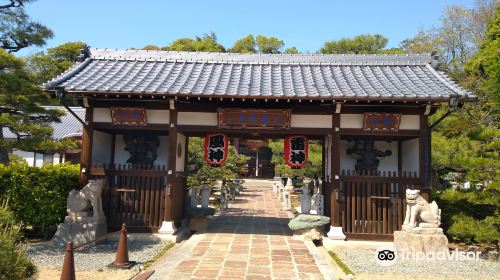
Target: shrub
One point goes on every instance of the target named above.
(14, 263)
(471, 216)
(38, 195)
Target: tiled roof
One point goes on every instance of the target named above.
(68, 127)
(280, 76)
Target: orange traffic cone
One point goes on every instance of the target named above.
(121, 259)
(68, 269)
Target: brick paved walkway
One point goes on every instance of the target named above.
(251, 240)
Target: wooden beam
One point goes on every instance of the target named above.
(87, 143)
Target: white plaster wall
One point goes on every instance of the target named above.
(313, 121)
(351, 120)
(121, 156)
(410, 156)
(56, 158)
(411, 122)
(195, 118)
(158, 116)
(38, 160)
(29, 157)
(102, 115)
(390, 163)
(101, 148)
(181, 141)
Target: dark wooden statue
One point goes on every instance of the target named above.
(368, 160)
(142, 147)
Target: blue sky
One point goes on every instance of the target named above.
(303, 24)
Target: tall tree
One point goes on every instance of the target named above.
(47, 65)
(17, 30)
(361, 44)
(457, 37)
(21, 112)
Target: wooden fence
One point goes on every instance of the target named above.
(374, 203)
(135, 195)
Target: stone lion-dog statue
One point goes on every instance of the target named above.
(420, 215)
(82, 203)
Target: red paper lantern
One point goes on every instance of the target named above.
(216, 147)
(296, 151)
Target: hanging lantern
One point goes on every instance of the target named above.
(296, 151)
(216, 148)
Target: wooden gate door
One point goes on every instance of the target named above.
(136, 196)
(374, 205)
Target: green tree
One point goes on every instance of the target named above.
(47, 65)
(20, 98)
(484, 66)
(151, 48)
(292, 50)
(200, 173)
(207, 43)
(17, 30)
(20, 105)
(269, 44)
(244, 45)
(312, 169)
(361, 44)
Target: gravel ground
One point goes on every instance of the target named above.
(94, 257)
(362, 263)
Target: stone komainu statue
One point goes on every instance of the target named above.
(420, 214)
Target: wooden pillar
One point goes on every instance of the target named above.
(335, 171)
(400, 156)
(425, 157)
(171, 165)
(113, 148)
(87, 142)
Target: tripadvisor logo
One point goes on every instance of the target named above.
(387, 256)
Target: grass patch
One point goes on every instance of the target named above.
(340, 263)
(158, 256)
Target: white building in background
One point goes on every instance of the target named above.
(69, 127)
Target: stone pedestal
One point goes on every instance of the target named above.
(336, 233)
(308, 227)
(433, 242)
(84, 230)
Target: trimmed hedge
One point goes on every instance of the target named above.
(37, 196)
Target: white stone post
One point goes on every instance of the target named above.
(205, 195)
(287, 204)
(305, 201)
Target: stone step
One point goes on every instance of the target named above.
(258, 183)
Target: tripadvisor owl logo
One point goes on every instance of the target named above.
(385, 256)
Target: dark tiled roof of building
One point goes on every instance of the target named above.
(280, 76)
(67, 128)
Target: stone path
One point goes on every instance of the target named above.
(250, 240)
